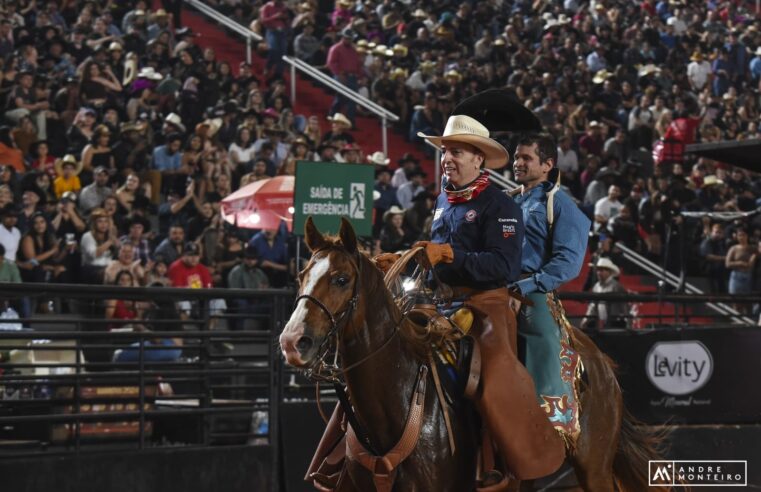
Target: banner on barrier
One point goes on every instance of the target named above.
(688, 376)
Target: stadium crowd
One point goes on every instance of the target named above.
(121, 136)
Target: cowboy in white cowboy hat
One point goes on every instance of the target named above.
(464, 129)
(606, 314)
(476, 246)
(175, 120)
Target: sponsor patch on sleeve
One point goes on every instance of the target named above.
(437, 213)
(508, 230)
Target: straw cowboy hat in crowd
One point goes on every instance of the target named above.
(601, 76)
(608, 264)
(712, 180)
(378, 158)
(464, 129)
(394, 210)
(176, 120)
(340, 119)
(68, 159)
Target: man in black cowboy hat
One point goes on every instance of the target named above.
(327, 151)
(386, 197)
(137, 227)
(407, 164)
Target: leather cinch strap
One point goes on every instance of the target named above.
(383, 467)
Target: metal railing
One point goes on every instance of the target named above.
(381, 112)
(249, 35)
(674, 281)
(75, 382)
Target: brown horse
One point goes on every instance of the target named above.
(342, 293)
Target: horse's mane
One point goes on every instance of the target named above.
(372, 283)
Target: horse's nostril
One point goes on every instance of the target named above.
(304, 344)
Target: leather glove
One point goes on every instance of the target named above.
(436, 253)
(385, 261)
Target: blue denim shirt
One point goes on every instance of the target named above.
(550, 269)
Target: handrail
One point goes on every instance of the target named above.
(674, 281)
(242, 30)
(384, 114)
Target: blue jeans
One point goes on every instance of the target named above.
(340, 101)
(740, 282)
(277, 41)
(132, 354)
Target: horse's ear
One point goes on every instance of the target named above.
(348, 238)
(312, 236)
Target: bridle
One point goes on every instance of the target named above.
(319, 370)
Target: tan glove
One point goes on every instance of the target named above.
(435, 252)
(385, 261)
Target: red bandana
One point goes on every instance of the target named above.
(469, 192)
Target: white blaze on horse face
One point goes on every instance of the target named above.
(294, 329)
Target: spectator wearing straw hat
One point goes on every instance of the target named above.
(339, 128)
(394, 236)
(68, 170)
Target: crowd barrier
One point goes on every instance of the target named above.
(74, 385)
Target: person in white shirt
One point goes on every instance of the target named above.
(242, 151)
(607, 208)
(97, 246)
(698, 71)
(568, 161)
(410, 189)
(10, 236)
(407, 163)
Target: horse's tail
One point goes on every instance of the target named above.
(637, 445)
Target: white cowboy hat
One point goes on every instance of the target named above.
(394, 210)
(68, 159)
(461, 128)
(608, 264)
(174, 119)
(378, 158)
(149, 73)
(340, 119)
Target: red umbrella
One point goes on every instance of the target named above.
(261, 204)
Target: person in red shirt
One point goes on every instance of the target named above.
(187, 271)
(274, 16)
(346, 66)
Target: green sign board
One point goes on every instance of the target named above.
(327, 191)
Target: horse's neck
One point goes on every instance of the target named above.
(381, 386)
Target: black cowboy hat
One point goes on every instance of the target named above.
(407, 157)
(499, 111)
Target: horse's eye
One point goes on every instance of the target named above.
(340, 281)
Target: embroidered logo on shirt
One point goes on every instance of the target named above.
(437, 213)
(508, 230)
(500, 220)
(470, 215)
